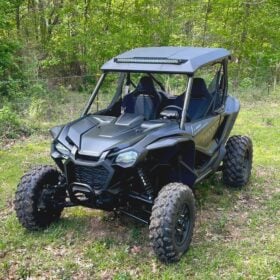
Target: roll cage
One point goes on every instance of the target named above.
(219, 83)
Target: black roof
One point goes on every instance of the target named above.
(165, 59)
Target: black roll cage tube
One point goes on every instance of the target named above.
(186, 99)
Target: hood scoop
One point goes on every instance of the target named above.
(102, 133)
(128, 119)
(77, 128)
(92, 135)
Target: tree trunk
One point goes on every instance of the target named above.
(208, 9)
(243, 39)
(18, 18)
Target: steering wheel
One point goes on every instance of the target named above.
(173, 107)
(178, 109)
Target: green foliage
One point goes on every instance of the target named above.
(10, 125)
(10, 73)
(59, 38)
(246, 83)
(9, 49)
(38, 108)
(43, 41)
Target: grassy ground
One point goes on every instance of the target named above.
(237, 233)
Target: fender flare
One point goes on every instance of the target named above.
(185, 147)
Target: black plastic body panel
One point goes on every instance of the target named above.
(164, 151)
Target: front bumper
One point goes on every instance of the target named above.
(86, 178)
(97, 175)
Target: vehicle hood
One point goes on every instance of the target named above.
(94, 134)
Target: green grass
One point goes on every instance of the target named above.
(237, 233)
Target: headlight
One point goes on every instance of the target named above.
(127, 159)
(62, 149)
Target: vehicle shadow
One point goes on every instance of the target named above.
(221, 210)
(96, 225)
(215, 203)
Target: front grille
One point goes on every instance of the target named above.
(94, 176)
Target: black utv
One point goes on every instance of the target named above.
(157, 123)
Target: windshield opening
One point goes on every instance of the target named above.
(119, 92)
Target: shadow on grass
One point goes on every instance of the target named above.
(215, 205)
(214, 202)
(212, 191)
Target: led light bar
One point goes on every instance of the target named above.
(150, 60)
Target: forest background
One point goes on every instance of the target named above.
(49, 48)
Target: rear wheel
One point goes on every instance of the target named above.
(40, 197)
(237, 163)
(172, 222)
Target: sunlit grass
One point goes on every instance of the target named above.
(237, 234)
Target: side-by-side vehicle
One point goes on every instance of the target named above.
(157, 123)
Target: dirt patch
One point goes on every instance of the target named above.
(108, 228)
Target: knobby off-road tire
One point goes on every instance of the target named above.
(39, 197)
(172, 222)
(237, 163)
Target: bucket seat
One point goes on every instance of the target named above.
(145, 100)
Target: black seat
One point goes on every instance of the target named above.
(200, 99)
(144, 100)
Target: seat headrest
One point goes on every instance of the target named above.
(199, 88)
(146, 86)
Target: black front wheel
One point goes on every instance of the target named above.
(172, 222)
(40, 197)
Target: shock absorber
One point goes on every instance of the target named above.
(146, 182)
